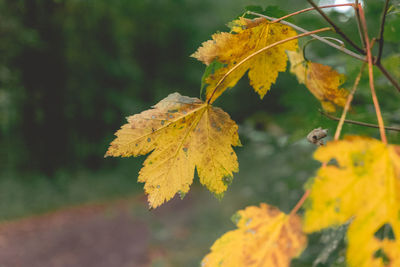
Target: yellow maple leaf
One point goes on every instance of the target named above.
(322, 81)
(247, 37)
(364, 187)
(184, 133)
(265, 237)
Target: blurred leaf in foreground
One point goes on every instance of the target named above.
(265, 237)
(361, 182)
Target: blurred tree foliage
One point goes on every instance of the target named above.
(71, 70)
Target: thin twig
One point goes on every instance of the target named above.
(329, 116)
(338, 47)
(371, 78)
(307, 9)
(348, 102)
(381, 30)
(388, 76)
(356, 7)
(337, 29)
(340, 42)
(260, 51)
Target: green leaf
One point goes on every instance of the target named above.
(393, 64)
(392, 28)
(253, 8)
(271, 11)
(274, 11)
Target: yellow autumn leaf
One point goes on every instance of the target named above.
(362, 184)
(247, 37)
(184, 133)
(322, 81)
(265, 237)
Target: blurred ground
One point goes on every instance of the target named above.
(90, 235)
(119, 233)
(93, 235)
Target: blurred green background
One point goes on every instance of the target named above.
(72, 70)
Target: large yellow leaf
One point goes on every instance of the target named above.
(247, 37)
(265, 237)
(183, 133)
(364, 187)
(322, 81)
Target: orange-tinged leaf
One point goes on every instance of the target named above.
(364, 186)
(322, 81)
(184, 133)
(265, 237)
(247, 37)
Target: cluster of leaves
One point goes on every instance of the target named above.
(357, 183)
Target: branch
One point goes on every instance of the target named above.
(337, 29)
(371, 78)
(381, 30)
(338, 47)
(389, 128)
(260, 51)
(356, 9)
(308, 9)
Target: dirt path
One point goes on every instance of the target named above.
(101, 235)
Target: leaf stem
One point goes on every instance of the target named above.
(300, 202)
(371, 78)
(348, 102)
(336, 28)
(329, 116)
(321, 39)
(308, 9)
(381, 30)
(260, 51)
